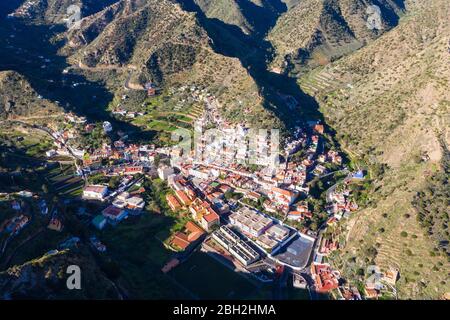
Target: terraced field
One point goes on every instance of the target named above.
(63, 181)
(320, 81)
(195, 112)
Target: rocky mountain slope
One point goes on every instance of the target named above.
(315, 32)
(46, 277)
(393, 110)
(159, 42)
(18, 98)
(251, 16)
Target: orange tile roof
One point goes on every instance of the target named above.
(173, 202)
(211, 215)
(183, 240)
(319, 128)
(195, 231)
(287, 193)
(182, 197)
(95, 188)
(180, 240)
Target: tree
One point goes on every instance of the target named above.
(157, 160)
(114, 182)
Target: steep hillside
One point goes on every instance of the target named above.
(45, 278)
(18, 98)
(315, 32)
(393, 110)
(158, 41)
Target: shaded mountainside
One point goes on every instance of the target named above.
(315, 32)
(18, 98)
(46, 277)
(394, 110)
(252, 16)
(9, 6)
(166, 45)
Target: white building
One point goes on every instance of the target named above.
(250, 221)
(164, 172)
(95, 192)
(135, 204)
(107, 126)
(278, 232)
(50, 153)
(238, 248)
(199, 173)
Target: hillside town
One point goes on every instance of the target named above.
(246, 196)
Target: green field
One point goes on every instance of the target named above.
(200, 275)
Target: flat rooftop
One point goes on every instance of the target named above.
(296, 253)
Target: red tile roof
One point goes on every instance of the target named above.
(173, 202)
(211, 216)
(184, 199)
(112, 211)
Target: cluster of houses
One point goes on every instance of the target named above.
(229, 144)
(202, 180)
(119, 206)
(97, 244)
(24, 11)
(191, 234)
(199, 205)
(120, 151)
(373, 289)
(63, 136)
(340, 203)
(225, 156)
(325, 279)
(14, 225)
(328, 245)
